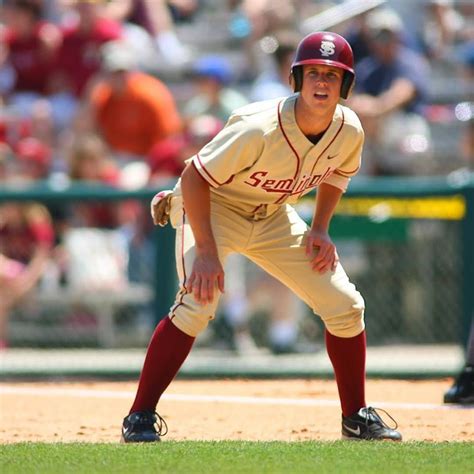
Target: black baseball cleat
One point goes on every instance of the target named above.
(462, 391)
(143, 427)
(367, 424)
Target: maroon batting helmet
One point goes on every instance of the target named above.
(327, 48)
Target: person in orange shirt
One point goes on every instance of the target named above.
(132, 110)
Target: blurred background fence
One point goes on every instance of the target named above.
(408, 245)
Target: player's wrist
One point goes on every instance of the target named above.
(320, 228)
(206, 248)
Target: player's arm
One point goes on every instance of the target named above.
(207, 270)
(326, 257)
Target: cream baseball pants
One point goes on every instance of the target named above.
(277, 244)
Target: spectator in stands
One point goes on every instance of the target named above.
(214, 96)
(441, 28)
(166, 160)
(107, 229)
(359, 33)
(252, 20)
(29, 47)
(273, 82)
(157, 18)
(132, 110)
(358, 36)
(89, 162)
(199, 130)
(391, 90)
(79, 58)
(26, 240)
(135, 19)
(32, 160)
(13, 128)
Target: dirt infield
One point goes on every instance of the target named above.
(290, 410)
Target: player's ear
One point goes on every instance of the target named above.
(350, 90)
(348, 82)
(291, 81)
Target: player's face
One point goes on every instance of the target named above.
(321, 86)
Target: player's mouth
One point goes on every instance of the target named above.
(320, 96)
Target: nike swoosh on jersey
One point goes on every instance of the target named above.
(356, 432)
(333, 156)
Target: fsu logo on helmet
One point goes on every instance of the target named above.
(328, 48)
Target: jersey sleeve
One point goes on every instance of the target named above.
(350, 166)
(232, 150)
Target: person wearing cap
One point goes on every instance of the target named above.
(389, 97)
(132, 110)
(237, 195)
(214, 94)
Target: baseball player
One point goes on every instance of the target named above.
(237, 195)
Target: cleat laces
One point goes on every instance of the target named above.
(146, 419)
(373, 413)
(163, 427)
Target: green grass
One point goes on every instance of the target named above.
(236, 457)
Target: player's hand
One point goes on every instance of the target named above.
(321, 251)
(207, 275)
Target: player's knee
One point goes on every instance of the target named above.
(191, 324)
(348, 321)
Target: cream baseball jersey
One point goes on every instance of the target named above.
(261, 159)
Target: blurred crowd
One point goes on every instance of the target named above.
(121, 92)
